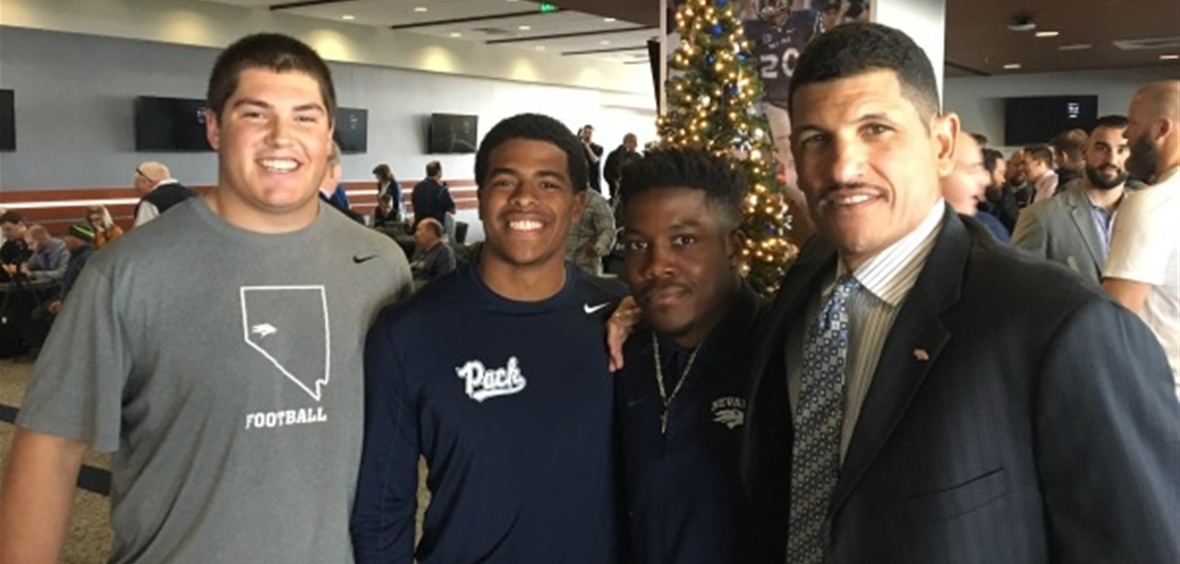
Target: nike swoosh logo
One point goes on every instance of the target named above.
(589, 309)
(359, 259)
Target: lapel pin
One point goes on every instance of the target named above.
(921, 354)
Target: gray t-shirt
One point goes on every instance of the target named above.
(224, 368)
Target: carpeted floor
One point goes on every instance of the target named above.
(90, 536)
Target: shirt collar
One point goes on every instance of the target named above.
(892, 272)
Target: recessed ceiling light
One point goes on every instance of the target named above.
(1075, 47)
(538, 47)
(456, 34)
(609, 20)
(604, 42)
(524, 28)
(1048, 33)
(420, 9)
(1169, 57)
(1012, 66)
(348, 17)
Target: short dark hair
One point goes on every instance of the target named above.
(271, 51)
(855, 48)
(1070, 142)
(12, 216)
(433, 168)
(991, 159)
(979, 138)
(537, 127)
(1114, 121)
(1040, 153)
(723, 183)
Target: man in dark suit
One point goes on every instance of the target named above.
(431, 198)
(922, 395)
(1074, 228)
(593, 152)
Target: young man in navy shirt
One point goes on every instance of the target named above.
(680, 397)
(497, 374)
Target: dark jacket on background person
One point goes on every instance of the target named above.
(344, 209)
(1065, 176)
(615, 162)
(431, 199)
(434, 263)
(165, 196)
(14, 251)
(78, 258)
(1004, 207)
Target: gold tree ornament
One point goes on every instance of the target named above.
(713, 102)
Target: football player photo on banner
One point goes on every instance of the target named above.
(778, 30)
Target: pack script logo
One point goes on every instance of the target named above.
(483, 382)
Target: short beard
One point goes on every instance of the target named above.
(1141, 163)
(1101, 182)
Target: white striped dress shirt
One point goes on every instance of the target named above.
(885, 281)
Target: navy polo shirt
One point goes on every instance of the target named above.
(683, 492)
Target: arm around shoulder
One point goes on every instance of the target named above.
(36, 496)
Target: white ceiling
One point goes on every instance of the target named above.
(512, 23)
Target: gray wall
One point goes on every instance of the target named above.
(75, 102)
(979, 101)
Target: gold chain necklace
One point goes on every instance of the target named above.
(664, 397)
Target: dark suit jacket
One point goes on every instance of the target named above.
(1062, 230)
(431, 199)
(1017, 415)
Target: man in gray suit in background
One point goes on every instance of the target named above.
(1074, 228)
(922, 395)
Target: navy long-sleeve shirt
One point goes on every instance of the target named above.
(683, 492)
(511, 405)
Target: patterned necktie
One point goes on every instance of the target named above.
(819, 419)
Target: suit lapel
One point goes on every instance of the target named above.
(915, 340)
(797, 288)
(1083, 219)
(766, 452)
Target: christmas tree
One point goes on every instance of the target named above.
(713, 102)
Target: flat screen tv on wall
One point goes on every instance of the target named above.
(7, 120)
(352, 130)
(170, 124)
(1039, 119)
(453, 133)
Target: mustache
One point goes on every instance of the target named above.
(656, 286)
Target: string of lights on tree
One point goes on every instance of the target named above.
(712, 102)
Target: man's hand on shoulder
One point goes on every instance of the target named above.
(619, 326)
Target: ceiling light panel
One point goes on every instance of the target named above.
(386, 13)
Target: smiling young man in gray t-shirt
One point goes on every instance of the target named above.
(217, 351)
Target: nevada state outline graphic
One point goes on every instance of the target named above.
(280, 321)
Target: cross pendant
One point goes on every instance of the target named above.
(664, 422)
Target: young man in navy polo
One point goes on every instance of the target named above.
(680, 397)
